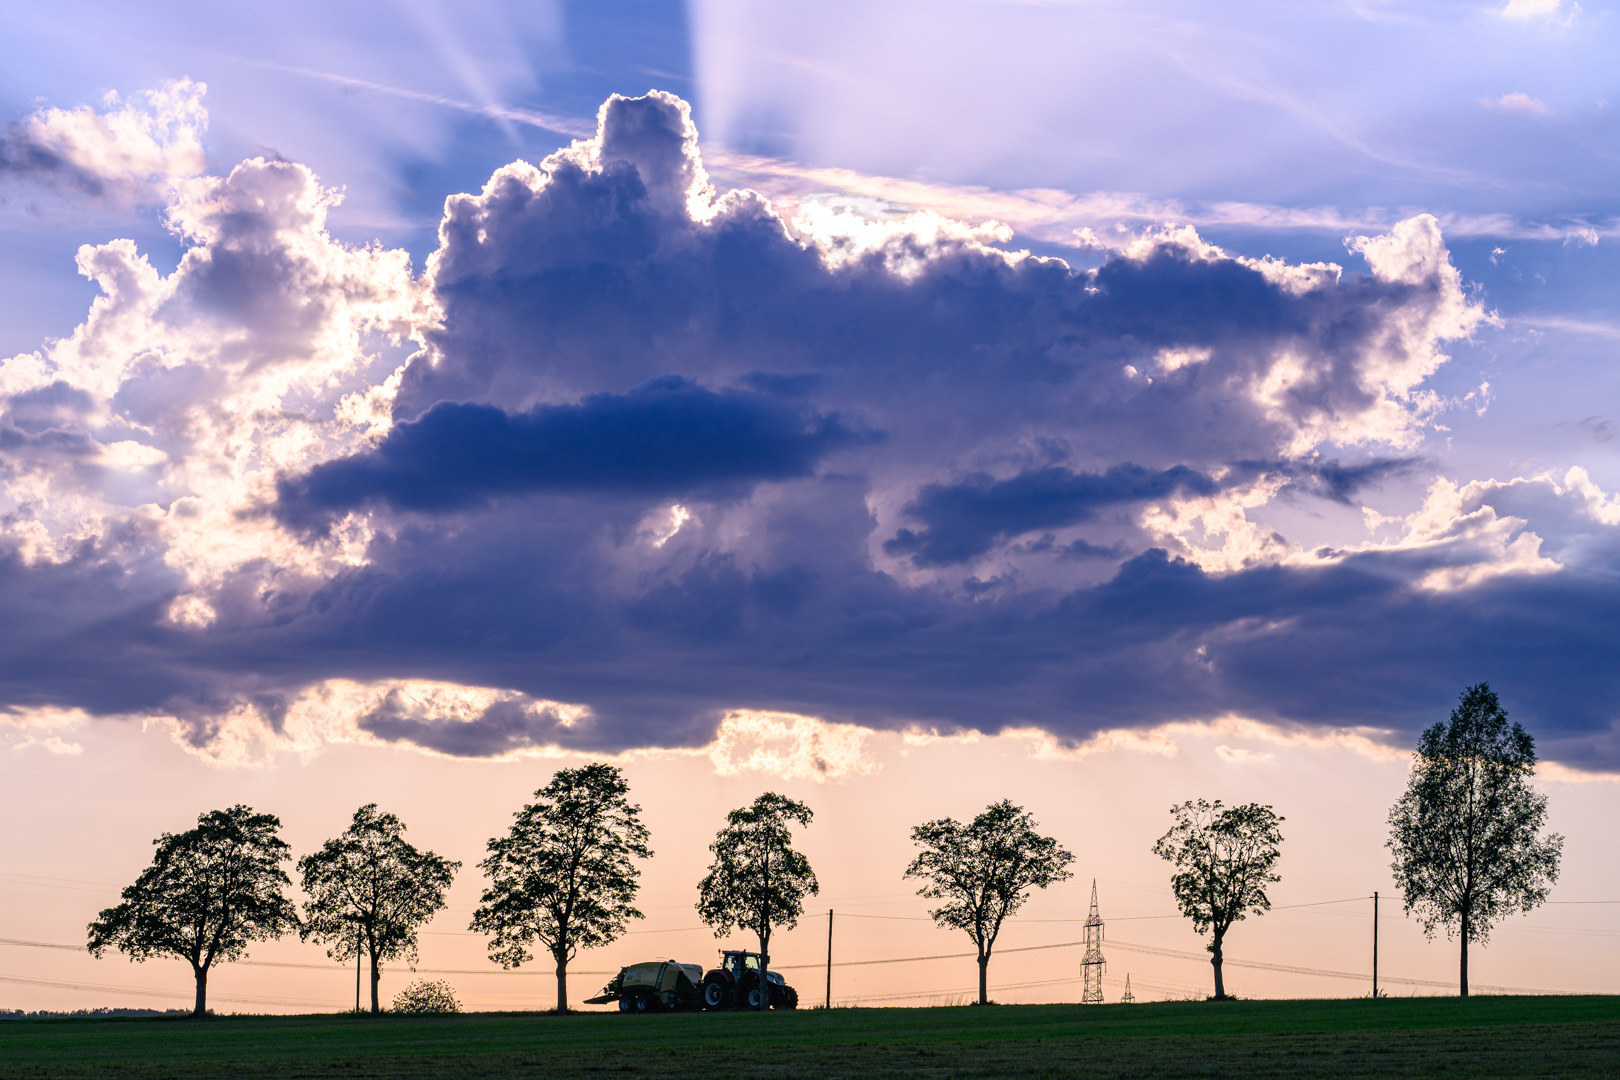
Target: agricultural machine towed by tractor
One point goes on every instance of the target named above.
(666, 985)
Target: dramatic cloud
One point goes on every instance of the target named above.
(635, 464)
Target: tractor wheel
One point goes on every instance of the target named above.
(753, 996)
(626, 1004)
(714, 994)
(788, 998)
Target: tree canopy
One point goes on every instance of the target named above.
(564, 876)
(209, 893)
(1467, 832)
(758, 881)
(984, 871)
(370, 890)
(1224, 859)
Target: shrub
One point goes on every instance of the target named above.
(427, 996)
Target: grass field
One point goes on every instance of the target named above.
(1488, 1037)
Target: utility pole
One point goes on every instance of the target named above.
(1091, 965)
(829, 958)
(1375, 943)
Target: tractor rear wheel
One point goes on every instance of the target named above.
(714, 994)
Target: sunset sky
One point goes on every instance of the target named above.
(899, 405)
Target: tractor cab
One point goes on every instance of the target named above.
(739, 964)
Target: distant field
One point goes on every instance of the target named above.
(1488, 1037)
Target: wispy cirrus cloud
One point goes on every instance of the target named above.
(1077, 220)
(1519, 102)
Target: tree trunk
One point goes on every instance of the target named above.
(562, 982)
(200, 1009)
(1463, 974)
(984, 978)
(1215, 962)
(764, 966)
(376, 977)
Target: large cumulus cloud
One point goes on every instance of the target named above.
(657, 455)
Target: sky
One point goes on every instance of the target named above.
(904, 406)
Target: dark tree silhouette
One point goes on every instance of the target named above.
(757, 881)
(1466, 834)
(370, 891)
(208, 894)
(564, 875)
(983, 871)
(1223, 858)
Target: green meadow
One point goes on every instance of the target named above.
(1483, 1037)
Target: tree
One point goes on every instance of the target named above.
(984, 871)
(758, 881)
(370, 890)
(564, 874)
(1223, 858)
(208, 894)
(1466, 834)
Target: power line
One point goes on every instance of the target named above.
(325, 967)
(963, 990)
(182, 994)
(1293, 969)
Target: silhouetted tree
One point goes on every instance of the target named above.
(1467, 832)
(984, 871)
(209, 892)
(1223, 858)
(370, 890)
(564, 875)
(757, 881)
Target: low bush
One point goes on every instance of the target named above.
(427, 996)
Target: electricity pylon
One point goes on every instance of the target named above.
(1091, 965)
(1127, 997)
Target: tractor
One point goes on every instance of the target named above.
(665, 985)
(735, 983)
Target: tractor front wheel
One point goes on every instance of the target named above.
(714, 994)
(787, 998)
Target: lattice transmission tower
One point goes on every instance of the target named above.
(1127, 997)
(1092, 965)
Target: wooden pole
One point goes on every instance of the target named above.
(829, 958)
(1375, 943)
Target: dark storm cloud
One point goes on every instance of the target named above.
(1339, 481)
(964, 519)
(1348, 643)
(667, 437)
(503, 727)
